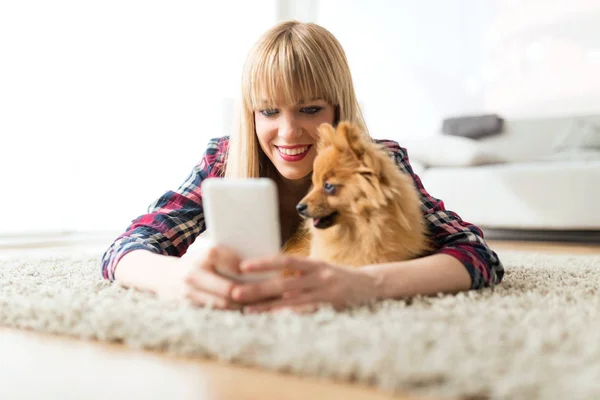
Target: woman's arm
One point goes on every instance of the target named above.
(190, 278)
(438, 273)
(145, 270)
(341, 287)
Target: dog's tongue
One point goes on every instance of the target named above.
(316, 221)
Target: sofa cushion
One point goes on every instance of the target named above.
(450, 151)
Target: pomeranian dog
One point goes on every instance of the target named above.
(362, 209)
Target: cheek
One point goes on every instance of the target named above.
(326, 116)
(334, 201)
(264, 129)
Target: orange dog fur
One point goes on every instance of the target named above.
(361, 209)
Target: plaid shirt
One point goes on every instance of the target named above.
(176, 219)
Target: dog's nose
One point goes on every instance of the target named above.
(301, 208)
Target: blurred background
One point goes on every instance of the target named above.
(106, 105)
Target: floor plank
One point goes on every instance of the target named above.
(35, 366)
(546, 247)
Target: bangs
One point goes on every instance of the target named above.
(287, 72)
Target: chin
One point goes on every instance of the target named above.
(294, 171)
(293, 174)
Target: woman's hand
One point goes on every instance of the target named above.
(313, 283)
(195, 279)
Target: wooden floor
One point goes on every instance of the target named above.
(36, 366)
(546, 247)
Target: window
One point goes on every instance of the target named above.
(106, 105)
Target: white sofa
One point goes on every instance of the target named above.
(539, 179)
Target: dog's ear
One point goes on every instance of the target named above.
(346, 138)
(327, 136)
(354, 139)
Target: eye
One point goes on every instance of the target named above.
(311, 110)
(269, 112)
(329, 188)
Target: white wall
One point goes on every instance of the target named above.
(416, 62)
(543, 58)
(105, 105)
(413, 61)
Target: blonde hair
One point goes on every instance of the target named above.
(302, 62)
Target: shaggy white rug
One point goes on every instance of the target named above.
(537, 335)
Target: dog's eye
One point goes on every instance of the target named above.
(329, 188)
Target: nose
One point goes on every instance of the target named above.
(302, 209)
(289, 130)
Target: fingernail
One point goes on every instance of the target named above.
(236, 293)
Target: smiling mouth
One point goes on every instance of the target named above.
(325, 222)
(294, 151)
(293, 154)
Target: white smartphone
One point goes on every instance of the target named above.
(243, 215)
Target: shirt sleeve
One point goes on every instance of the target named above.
(451, 234)
(173, 222)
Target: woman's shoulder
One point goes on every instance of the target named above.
(218, 145)
(392, 146)
(216, 151)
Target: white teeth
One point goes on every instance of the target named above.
(293, 152)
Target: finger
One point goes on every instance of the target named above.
(305, 299)
(275, 287)
(208, 281)
(292, 293)
(280, 262)
(221, 258)
(300, 309)
(207, 299)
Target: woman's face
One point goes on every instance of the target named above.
(288, 135)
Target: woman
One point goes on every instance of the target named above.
(295, 78)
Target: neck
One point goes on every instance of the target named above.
(290, 194)
(294, 188)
